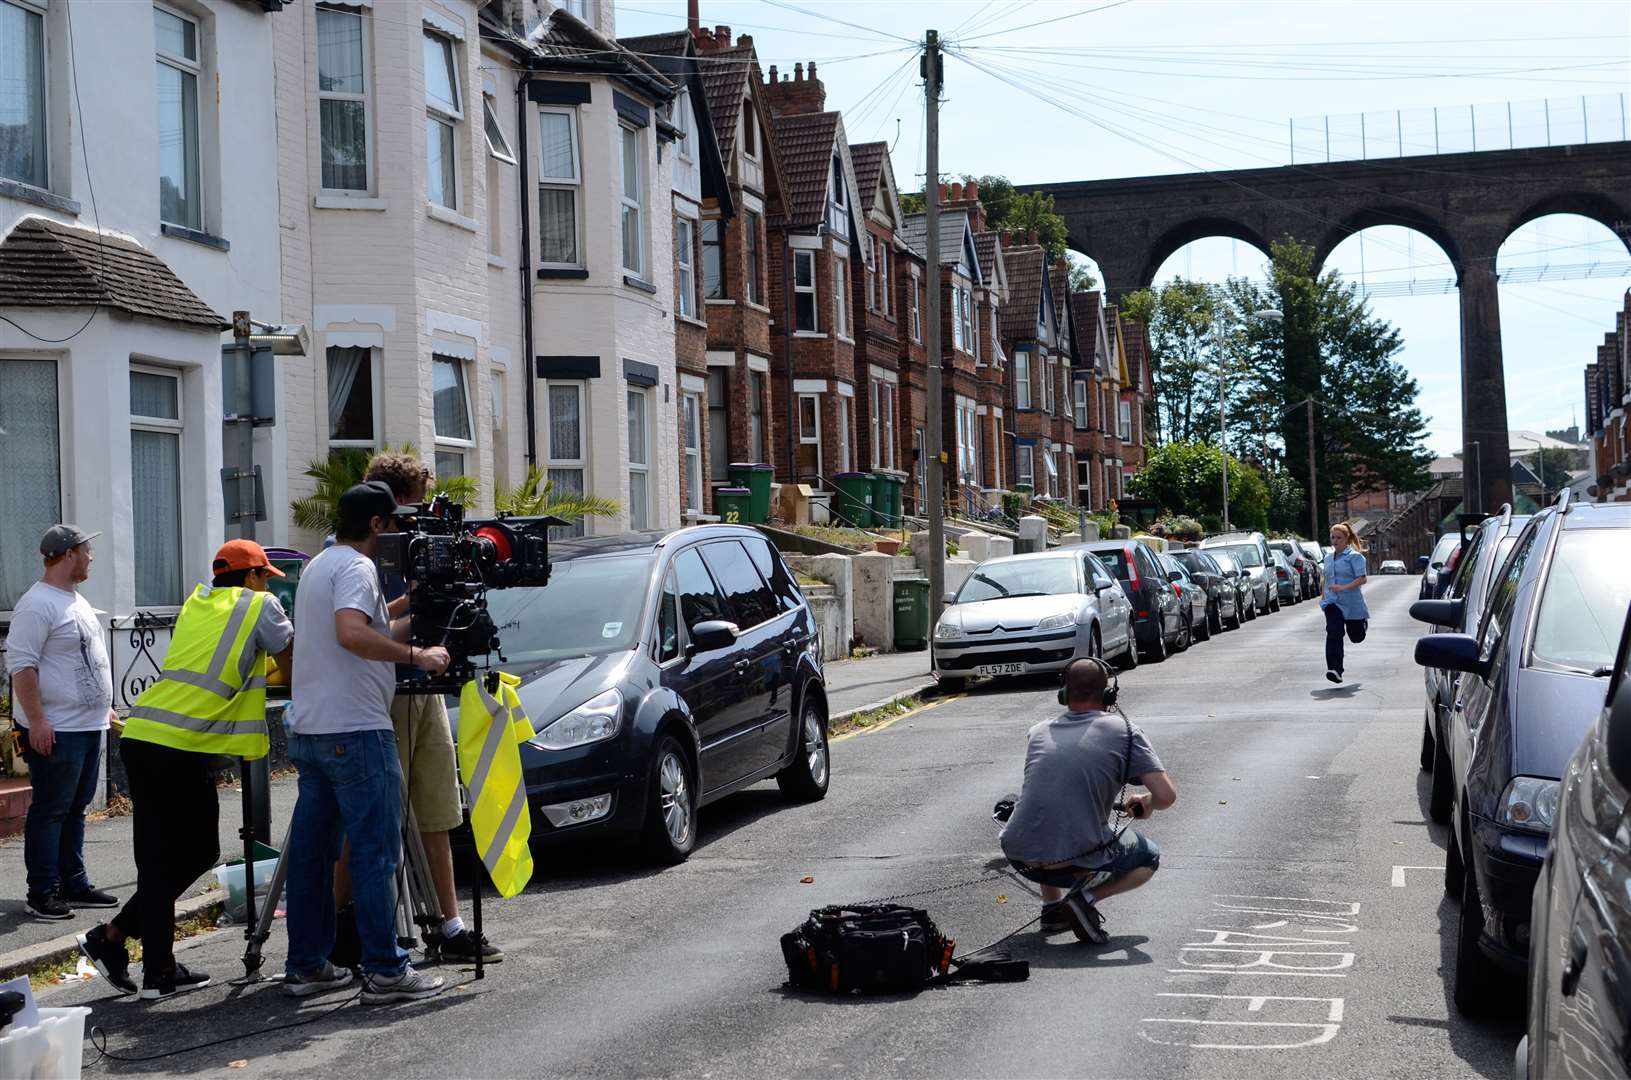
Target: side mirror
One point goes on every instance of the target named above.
(949, 599)
(1618, 736)
(1173, 575)
(1452, 652)
(713, 634)
(1102, 584)
(1439, 612)
(1424, 561)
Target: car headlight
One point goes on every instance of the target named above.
(1529, 802)
(948, 631)
(594, 721)
(1054, 622)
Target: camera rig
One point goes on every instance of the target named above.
(449, 564)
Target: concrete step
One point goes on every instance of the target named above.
(15, 794)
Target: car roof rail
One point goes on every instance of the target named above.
(1506, 513)
(1562, 503)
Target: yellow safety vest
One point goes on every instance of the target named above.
(491, 731)
(211, 695)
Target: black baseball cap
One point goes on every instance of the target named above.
(366, 501)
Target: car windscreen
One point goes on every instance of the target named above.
(589, 606)
(1245, 554)
(1582, 609)
(1022, 577)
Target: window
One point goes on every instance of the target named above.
(580, 8)
(639, 462)
(750, 144)
(31, 482)
(685, 256)
(876, 392)
(1022, 380)
(750, 245)
(1080, 418)
(956, 321)
(883, 424)
(774, 570)
(809, 422)
(974, 337)
(1047, 382)
(497, 144)
(181, 200)
(1504, 592)
(442, 114)
(841, 297)
(565, 439)
(844, 404)
(749, 597)
(967, 316)
(668, 622)
(342, 98)
(804, 292)
(922, 469)
(155, 485)
(632, 191)
(917, 308)
(682, 119)
(23, 153)
(713, 260)
(756, 416)
(872, 276)
(558, 180)
(1024, 473)
(691, 425)
(837, 180)
(881, 256)
(1124, 420)
(699, 598)
(719, 424)
(350, 397)
(1053, 472)
(450, 403)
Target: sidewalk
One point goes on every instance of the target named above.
(852, 685)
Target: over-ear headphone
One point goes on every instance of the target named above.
(1112, 688)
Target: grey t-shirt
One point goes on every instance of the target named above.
(335, 691)
(1073, 773)
(55, 632)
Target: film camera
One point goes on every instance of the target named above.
(449, 564)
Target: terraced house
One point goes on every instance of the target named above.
(1037, 340)
(883, 445)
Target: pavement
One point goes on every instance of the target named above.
(1297, 927)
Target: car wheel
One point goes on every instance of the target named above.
(1427, 741)
(1158, 645)
(806, 776)
(1477, 979)
(1454, 869)
(1186, 634)
(1095, 646)
(671, 804)
(953, 686)
(1204, 632)
(1443, 788)
(1233, 622)
(1129, 659)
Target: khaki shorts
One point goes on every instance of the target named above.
(424, 742)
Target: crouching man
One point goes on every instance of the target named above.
(1059, 835)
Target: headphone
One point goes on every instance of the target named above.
(1112, 688)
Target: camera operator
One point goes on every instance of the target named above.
(1075, 765)
(342, 742)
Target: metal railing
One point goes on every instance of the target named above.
(1455, 129)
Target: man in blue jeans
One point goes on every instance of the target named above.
(341, 740)
(63, 694)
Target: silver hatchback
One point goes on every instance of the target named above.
(1028, 614)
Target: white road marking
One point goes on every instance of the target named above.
(1398, 873)
(1324, 1032)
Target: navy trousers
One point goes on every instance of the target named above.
(1335, 628)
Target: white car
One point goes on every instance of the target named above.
(1393, 566)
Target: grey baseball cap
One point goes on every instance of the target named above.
(61, 538)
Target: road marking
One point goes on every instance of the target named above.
(1398, 873)
(893, 720)
(1324, 1031)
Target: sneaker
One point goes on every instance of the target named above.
(1334, 675)
(329, 978)
(408, 986)
(462, 948)
(1085, 921)
(111, 961)
(90, 898)
(48, 907)
(171, 983)
(1054, 920)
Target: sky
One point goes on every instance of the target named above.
(1140, 87)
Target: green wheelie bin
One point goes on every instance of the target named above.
(884, 514)
(756, 477)
(911, 614)
(733, 505)
(853, 506)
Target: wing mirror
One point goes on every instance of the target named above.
(1452, 652)
(1102, 584)
(1618, 735)
(1439, 612)
(1424, 561)
(713, 634)
(950, 599)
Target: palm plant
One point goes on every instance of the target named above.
(535, 496)
(319, 511)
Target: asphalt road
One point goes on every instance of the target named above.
(1294, 928)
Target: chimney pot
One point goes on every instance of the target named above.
(722, 35)
(956, 192)
(772, 72)
(812, 70)
(798, 72)
(745, 41)
(972, 189)
(942, 194)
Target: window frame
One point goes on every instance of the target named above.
(841, 288)
(642, 395)
(1079, 404)
(374, 372)
(750, 253)
(579, 464)
(806, 257)
(956, 317)
(451, 443)
(683, 117)
(691, 421)
(917, 307)
(1025, 465)
(572, 185)
(193, 66)
(438, 113)
(750, 130)
(885, 301)
(685, 239)
(811, 437)
(365, 97)
(636, 204)
(177, 427)
(720, 446)
(489, 111)
(717, 227)
(40, 10)
(1022, 379)
(57, 443)
(758, 444)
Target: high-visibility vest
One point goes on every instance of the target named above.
(491, 731)
(211, 695)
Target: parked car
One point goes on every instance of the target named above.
(1192, 599)
(1580, 920)
(1222, 596)
(1287, 586)
(1158, 621)
(1393, 566)
(1531, 686)
(1251, 551)
(1460, 609)
(1316, 562)
(1025, 614)
(1300, 563)
(1236, 575)
(663, 671)
(1438, 567)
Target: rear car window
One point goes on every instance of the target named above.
(744, 589)
(1116, 562)
(774, 571)
(1582, 608)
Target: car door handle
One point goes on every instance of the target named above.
(742, 667)
(1575, 963)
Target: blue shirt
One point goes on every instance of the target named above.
(1340, 569)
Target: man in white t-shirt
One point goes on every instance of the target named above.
(342, 741)
(62, 694)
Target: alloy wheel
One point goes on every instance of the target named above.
(815, 745)
(676, 799)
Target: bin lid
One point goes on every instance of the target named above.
(733, 491)
(851, 476)
(756, 466)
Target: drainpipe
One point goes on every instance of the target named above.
(529, 374)
(787, 336)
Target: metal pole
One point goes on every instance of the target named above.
(243, 425)
(1313, 479)
(931, 220)
(1223, 431)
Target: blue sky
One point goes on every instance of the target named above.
(1160, 86)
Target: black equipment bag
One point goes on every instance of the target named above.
(882, 949)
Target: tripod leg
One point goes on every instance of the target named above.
(256, 932)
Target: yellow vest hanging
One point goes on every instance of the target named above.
(211, 695)
(491, 731)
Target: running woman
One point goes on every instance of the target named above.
(1343, 603)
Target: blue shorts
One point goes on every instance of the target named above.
(1134, 851)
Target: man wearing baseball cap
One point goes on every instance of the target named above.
(63, 699)
(209, 701)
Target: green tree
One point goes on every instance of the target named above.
(1180, 318)
(1287, 500)
(913, 202)
(1081, 278)
(1187, 478)
(1006, 208)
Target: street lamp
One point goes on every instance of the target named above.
(1540, 456)
(1272, 315)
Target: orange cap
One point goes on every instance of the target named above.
(243, 555)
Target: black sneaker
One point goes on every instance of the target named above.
(1085, 921)
(90, 898)
(168, 985)
(111, 961)
(462, 948)
(1333, 674)
(1054, 920)
(48, 907)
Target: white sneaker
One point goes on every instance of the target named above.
(408, 986)
(329, 978)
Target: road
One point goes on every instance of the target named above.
(1298, 851)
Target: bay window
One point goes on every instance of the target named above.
(181, 196)
(1022, 380)
(1124, 420)
(1081, 405)
(155, 485)
(632, 194)
(804, 292)
(964, 313)
(956, 320)
(443, 112)
(841, 297)
(31, 482)
(558, 182)
(23, 153)
(916, 301)
(565, 441)
(342, 98)
(885, 302)
(750, 246)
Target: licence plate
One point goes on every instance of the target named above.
(1000, 669)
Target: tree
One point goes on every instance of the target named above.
(1187, 478)
(1081, 278)
(1179, 318)
(535, 496)
(1006, 208)
(345, 468)
(913, 203)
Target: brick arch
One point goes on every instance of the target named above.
(1608, 210)
(1408, 217)
(1200, 227)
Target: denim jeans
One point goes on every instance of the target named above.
(351, 786)
(64, 783)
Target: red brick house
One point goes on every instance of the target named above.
(1036, 339)
(992, 410)
(911, 270)
(878, 345)
(1608, 412)
(1093, 368)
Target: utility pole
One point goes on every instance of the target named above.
(1313, 479)
(931, 220)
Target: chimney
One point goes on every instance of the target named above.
(972, 189)
(801, 94)
(722, 36)
(693, 19)
(772, 72)
(1005, 238)
(745, 41)
(942, 194)
(956, 192)
(1030, 237)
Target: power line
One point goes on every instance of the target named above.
(785, 6)
(1055, 19)
(872, 37)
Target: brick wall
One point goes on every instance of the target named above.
(797, 94)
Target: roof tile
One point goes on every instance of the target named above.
(805, 145)
(1025, 265)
